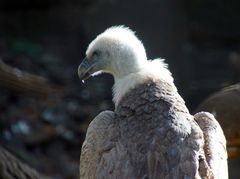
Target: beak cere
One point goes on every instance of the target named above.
(84, 69)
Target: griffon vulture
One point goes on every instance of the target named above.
(150, 134)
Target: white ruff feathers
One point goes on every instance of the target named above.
(153, 70)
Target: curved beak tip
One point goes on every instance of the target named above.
(79, 71)
(83, 73)
(83, 69)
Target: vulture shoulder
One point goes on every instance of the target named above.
(99, 139)
(214, 144)
(152, 135)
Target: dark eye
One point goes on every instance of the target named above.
(96, 53)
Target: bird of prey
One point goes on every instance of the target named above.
(150, 134)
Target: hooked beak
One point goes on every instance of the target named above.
(84, 69)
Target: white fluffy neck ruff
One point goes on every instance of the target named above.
(152, 71)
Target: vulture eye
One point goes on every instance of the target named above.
(96, 53)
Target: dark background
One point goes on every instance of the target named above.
(198, 39)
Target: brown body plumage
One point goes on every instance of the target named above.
(151, 135)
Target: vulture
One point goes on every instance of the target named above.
(150, 134)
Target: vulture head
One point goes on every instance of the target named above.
(119, 52)
(116, 51)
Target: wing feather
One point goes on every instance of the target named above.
(99, 139)
(214, 144)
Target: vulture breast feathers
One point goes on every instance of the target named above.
(151, 134)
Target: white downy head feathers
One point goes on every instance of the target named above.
(125, 58)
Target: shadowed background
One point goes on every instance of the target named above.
(44, 107)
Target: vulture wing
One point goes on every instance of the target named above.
(215, 144)
(100, 140)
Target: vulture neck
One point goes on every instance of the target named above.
(123, 67)
(150, 71)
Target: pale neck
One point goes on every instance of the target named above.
(155, 70)
(126, 68)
